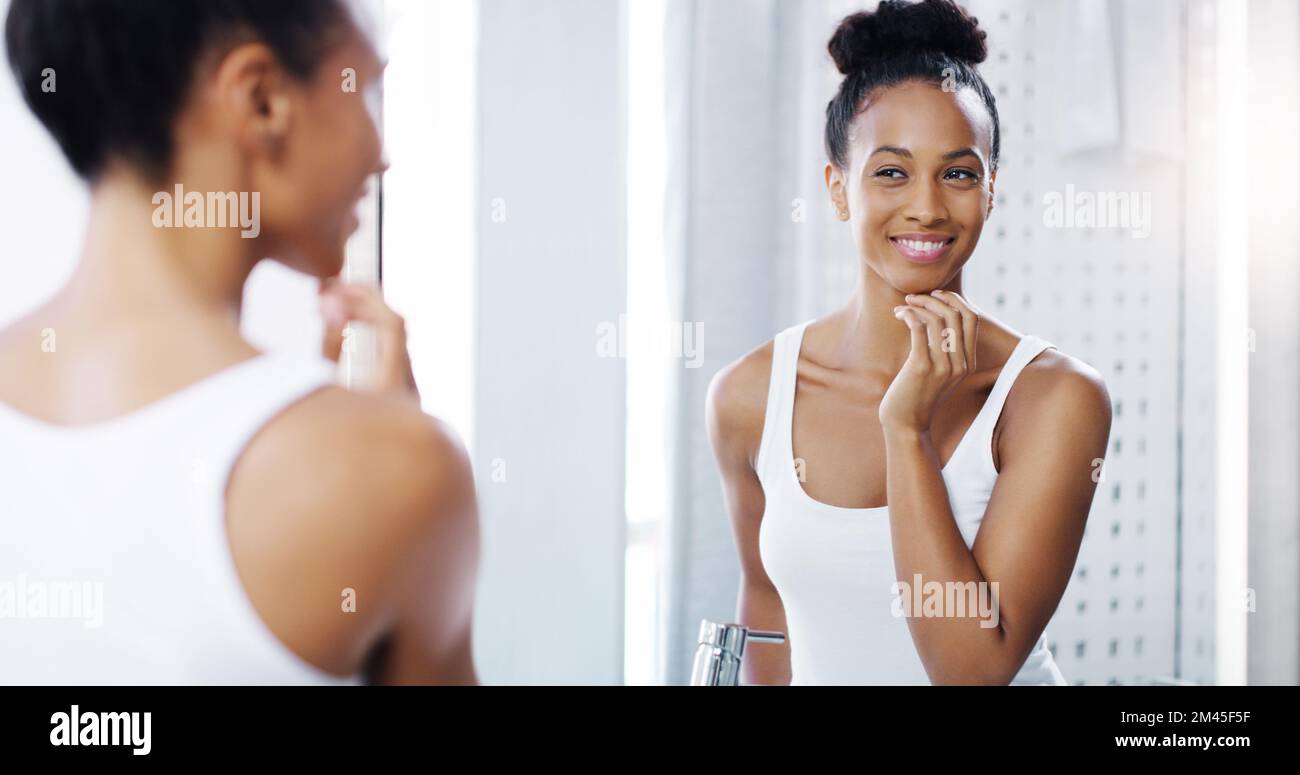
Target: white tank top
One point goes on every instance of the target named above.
(114, 563)
(834, 566)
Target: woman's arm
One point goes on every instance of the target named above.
(1053, 435)
(429, 635)
(354, 521)
(736, 404)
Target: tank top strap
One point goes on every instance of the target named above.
(982, 429)
(776, 448)
(252, 396)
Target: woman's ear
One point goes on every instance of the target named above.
(252, 92)
(835, 185)
(993, 179)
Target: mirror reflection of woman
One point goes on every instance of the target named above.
(908, 444)
(247, 520)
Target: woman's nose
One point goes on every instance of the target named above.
(927, 206)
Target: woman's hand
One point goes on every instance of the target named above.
(341, 303)
(943, 327)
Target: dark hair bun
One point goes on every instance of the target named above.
(939, 26)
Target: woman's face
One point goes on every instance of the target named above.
(918, 187)
(331, 147)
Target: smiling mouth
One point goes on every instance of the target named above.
(923, 250)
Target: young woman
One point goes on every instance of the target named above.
(237, 517)
(908, 445)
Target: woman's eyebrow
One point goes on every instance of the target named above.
(960, 152)
(906, 154)
(894, 149)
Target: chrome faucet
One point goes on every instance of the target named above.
(721, 649)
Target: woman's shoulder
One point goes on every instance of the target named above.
(1056, 370)
(738, 393)
(737, 401)
(740, 387)
(22, 345)
(348, 442)
(1057, 384)
(335, 472)
(1051, 375)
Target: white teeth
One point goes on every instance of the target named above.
(926, 246)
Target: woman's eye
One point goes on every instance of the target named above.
(890, 172)
(968, 175)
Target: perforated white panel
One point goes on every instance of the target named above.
(1194, 653)
(1101, 294)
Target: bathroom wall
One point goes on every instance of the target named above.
(1274, 166)
(549, 418)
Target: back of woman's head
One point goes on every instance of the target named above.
(108, 78)
(933, 40)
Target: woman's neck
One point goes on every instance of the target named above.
(129, 266)
(871, 337)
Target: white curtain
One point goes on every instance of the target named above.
(729, 259)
